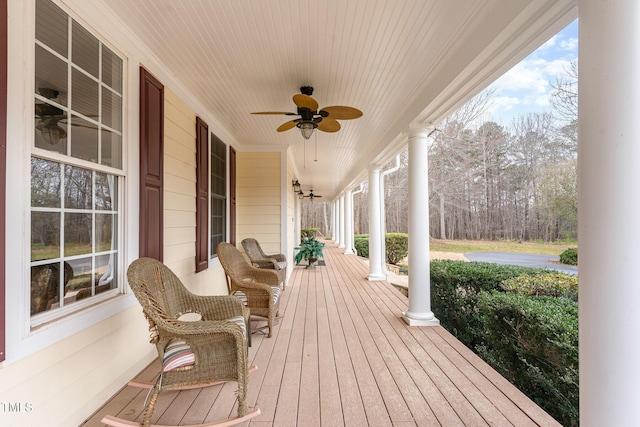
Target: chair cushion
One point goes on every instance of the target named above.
(282, 265)
(242, 296)
(177, 354)
(276, 293)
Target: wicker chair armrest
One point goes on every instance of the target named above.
(173, 328)
(212, 307)
(278, 257)
(266, 263)
(263, 275)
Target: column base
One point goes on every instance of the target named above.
(348, 252)
(376, 277)
(424, 320)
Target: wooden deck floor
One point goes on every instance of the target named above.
(343, 356)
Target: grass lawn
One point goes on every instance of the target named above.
(462, 246)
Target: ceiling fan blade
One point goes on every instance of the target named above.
(341, 112)
(276, 113)
(305, 101)
(286, 126)
(329, 125)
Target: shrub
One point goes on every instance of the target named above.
(533, 342)
(361, 243)
(397, 247)
(455, 287)
(569, 256)
(552, 284)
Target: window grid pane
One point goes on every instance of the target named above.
(218, 193)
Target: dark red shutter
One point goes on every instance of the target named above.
(202, 195)
(3, 168)
(151, 165)
(232, 196)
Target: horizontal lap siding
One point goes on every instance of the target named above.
(259, 199)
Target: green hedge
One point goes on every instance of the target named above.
(530, 340)
(551, 285)
(396, 244)
(533, 342)
(361, 243)
(455, 288)
(569, 256)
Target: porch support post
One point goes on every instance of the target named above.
(348, 222)
(336, 221)
(608, 211)
(419, 313)
(375, 226)
(341, 221)
(334, 233)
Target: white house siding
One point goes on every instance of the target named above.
(259, 204)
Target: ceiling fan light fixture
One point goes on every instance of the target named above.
(52, 133)
(306, 128)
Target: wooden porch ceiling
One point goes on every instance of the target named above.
(343, 356)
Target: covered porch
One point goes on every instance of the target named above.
(342, 355)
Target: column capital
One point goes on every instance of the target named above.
(419, 130)
(373, 167)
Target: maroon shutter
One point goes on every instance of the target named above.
(202, 195)
(232, 196)
(151, 165)
(3, 167)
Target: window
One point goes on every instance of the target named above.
(218, 192)
(74, 202)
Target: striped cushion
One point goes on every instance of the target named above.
(242, 296)
(276, 293)
(177, 355)
(239, 320)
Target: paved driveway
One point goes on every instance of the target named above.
(528, 260)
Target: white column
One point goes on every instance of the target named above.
(419, 313)
(609, 212)
(375, 242)
(341, 221)
(334, 235)
(348, 222)
(336, 226)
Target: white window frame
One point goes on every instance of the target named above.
(21, 338)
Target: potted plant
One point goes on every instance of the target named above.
(309, 249)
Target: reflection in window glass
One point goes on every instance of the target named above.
(111, 149)
(78, 188)
(74, 210)
(84, 49)
(45, 183)
(77, 234)
(45, 235)
(51, 76)
(111, 69)
(106, 238)
(90, 87)
(84, 139)
(106, 196)
(218, 163)
(111, 109)
(84, 94)
(78, 231)
(51, 26)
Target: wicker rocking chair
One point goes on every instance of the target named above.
(258, 288)
(201, 340)
(258, 258)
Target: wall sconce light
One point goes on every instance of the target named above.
(296, 186)
(300, 195)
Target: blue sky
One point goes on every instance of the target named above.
(527, 86)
